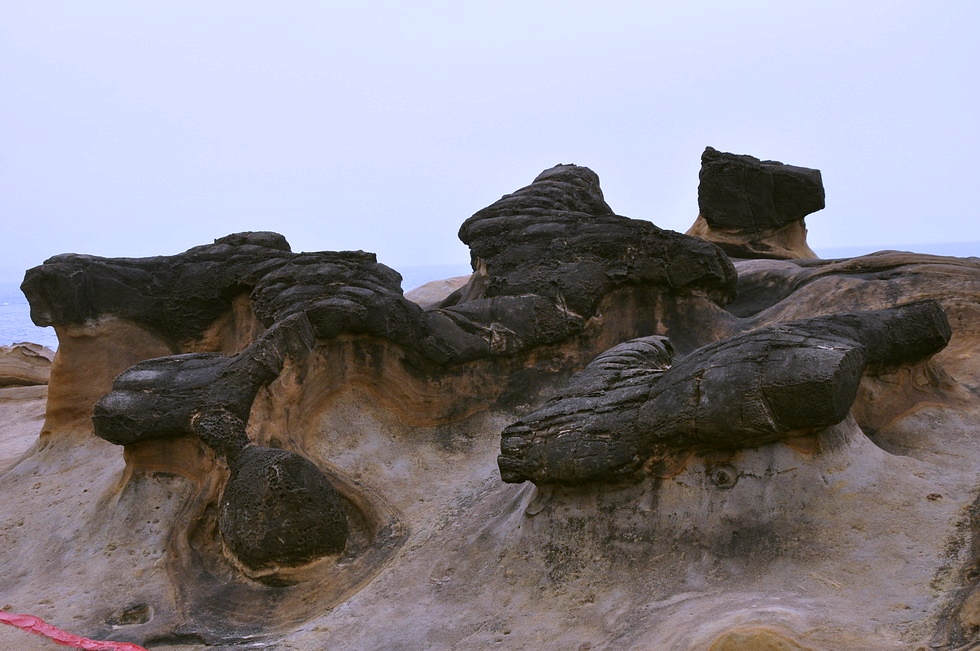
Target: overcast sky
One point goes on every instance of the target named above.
(137, 128)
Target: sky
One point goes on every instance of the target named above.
(136, 129)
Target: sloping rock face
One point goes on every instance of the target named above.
(755, 209)
(433, 293)
(246, 447)
(24, 371)
(24, 364)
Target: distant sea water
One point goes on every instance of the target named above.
(16, 324)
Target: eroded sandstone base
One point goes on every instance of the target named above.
(851, 524)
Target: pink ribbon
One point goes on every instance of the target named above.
(38, 626)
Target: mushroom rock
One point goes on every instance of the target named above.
(249, 446)
(278, 508)
(755, 209)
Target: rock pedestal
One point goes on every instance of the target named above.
(755, 209)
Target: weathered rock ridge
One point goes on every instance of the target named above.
(24, 371)
(247, 447)
(632, 403)
(557, 238)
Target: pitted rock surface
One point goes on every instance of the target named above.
(278, 508)
(558, 238)
(775, 382)
(180, 296)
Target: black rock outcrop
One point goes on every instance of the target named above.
(278, 508)
(180, 296)
(738, 191)
(160, 398)
(632, 403)
(559, 239)
(545, 257)
(755, 209)
(304, 445)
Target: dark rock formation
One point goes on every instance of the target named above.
(295, 298)
(546, 256)
(743, 192)
(279, 509)
(778, 382)
(557, 238)
(303, 445)
(179, 297)
(753, 208)
(159, 398)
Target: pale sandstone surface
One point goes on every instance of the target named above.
(25, 364)
(15, 639)
(432, 293)
(786, 242)
(861, 535)
(24, 371)
(21, 416)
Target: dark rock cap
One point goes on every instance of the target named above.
(742, 192)
(265, 239)
(558, 238)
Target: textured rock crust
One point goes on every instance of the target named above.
(278, 508)
(249, 447)
(295, 300)
(739, 191)
(755, 209)
(557, 238)
(633, 404)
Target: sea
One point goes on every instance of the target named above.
(15, 313)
